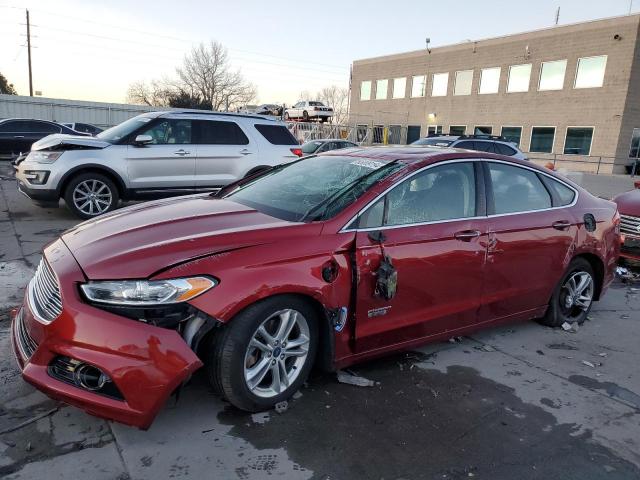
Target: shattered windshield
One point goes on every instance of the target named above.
(437, 142)
(313, 188)
(117, 133)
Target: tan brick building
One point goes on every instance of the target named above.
(569, 93)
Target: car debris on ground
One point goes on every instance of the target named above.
(351, 379)
(570, 327)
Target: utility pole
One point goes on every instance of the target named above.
(29, 55)
(557, 15)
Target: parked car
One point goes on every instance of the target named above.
(269, 109)
(84, 128)
(325, 145)
(629, 207)
(309, 110)
(150, 156)
(330, 260)
(481, 143)
(18, 134)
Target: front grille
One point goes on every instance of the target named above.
(630, 225)
(44, 294)
(25, 343)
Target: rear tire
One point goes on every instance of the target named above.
(286, 116)
(305, 116)
(91, 194)
(250, 371)
(572, 298)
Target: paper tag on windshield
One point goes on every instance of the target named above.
(372, 164)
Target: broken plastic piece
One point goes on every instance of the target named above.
(348, 378)
(588, 364)
(282, 407)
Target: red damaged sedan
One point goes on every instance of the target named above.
(327, 261)
(629, 207)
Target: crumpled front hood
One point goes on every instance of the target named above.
(629, 203)
(138, 241)
(58, 141)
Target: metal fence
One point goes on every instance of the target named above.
(68, 111)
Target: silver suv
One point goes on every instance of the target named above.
(152, 155)
(481, 143)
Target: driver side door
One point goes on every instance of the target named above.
(434, 229)
(167, 164)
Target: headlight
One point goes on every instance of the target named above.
(43, 157)
(147, 292)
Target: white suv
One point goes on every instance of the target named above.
(150, 156)
(309, 110)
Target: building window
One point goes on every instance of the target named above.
(464, 79)
(434, 130)
(552, 75)
(519, 76)
(542, 139)
(634, 151)
(418, 84)
(489, 80)
(483, 130)
(365, 90)
(381, 89)
(457, 129)
(512, 134)
(399, 87)
(440, 83)
(590, 72)
(578, 141)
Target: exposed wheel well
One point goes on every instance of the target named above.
(103, 171)
(325, 354)
(598, 269)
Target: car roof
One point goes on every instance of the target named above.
(329, 140)
(206, 114)
(29, 120)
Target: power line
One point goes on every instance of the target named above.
(170, 37)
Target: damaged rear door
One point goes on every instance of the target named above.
(420, 252)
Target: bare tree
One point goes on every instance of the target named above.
(206, 75)
(155, 93)
(337, 98)
(6, 87)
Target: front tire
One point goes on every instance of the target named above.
(91, 194)
(573, 297)
(265, 353)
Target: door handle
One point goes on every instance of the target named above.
(18, 136)
(181, 152)
(561, 225)
(245, 152)
(466, 235)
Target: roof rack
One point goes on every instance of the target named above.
(485, 136)
(224, 114)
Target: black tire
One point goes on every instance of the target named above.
(89, 177)
(286, 116)
(557, 312)
(305, 116)
(225, 362)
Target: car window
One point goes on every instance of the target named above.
(565, 194)
(44, 127)
(503, 149)
(444, 192)
(213, 132)
(310, 147)
(517, 189)
(276, 134)
(437, 142)
(169, 131)
(8, 126)
(469, 145)
(484, 146)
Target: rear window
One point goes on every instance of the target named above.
(503, 149)
(436, 142)
(276, 134)
(316, 104)
(213, 132)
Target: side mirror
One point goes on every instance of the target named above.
(143, 140)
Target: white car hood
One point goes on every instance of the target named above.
(58, 141)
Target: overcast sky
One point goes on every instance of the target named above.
(91, 50)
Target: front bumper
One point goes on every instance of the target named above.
(38, 195)
(630, 249)
(146, 363)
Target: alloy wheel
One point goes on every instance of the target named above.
(576, 294)
(276, 353)
(92, 197)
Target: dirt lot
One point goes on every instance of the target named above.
(517, 402)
